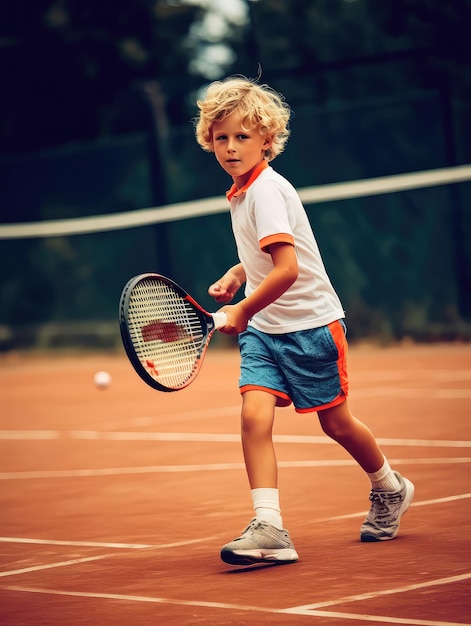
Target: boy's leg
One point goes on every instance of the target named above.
(258, 414)
(264, 540)
(391, 494)
(339, 423)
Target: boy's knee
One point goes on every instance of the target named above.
(336, 424)
(255, 424)
(248, 420)
(331, 428)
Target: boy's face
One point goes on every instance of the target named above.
(238, 151)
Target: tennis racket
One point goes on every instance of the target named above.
(164, 331)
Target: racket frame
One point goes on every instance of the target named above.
(209, 323)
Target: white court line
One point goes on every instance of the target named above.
(311, 610)
(419, 375)
(461, 496)
(394, 392)
(39, 435)
(299, 610)
(38, 568)
(214, 467)
(97, 544)
(79, 544)
(154, 600)
(139, 546)
(302, 610)
(382, 619)
(235, 438)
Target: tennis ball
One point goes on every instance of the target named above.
(102, 380)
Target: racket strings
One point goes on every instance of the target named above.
(166, 331)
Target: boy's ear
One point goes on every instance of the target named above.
(268, 140)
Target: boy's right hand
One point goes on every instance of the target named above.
(237, 319)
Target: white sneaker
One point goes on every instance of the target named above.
(260, 542)
(387, 508)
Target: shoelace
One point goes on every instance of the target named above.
(261, 525)
(251, 528)
(381, 503)
(254, 525)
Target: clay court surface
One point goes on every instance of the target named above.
(114, 504)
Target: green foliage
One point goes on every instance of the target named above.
(77, 69)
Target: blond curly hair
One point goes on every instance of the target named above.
(260, 106)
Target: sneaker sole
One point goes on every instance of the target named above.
(251, 557)
(370, 538)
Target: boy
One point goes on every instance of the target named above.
(290, 322)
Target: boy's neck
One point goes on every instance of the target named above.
(235, 191)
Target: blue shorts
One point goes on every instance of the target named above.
(307, 368)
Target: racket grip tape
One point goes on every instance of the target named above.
(220, 319)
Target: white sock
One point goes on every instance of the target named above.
(266, 502)
(384, 478)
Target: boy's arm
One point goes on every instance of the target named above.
(283, 274)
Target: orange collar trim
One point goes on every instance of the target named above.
(235, 193)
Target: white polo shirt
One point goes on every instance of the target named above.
(268, 210)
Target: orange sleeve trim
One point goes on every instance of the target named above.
(266, 242)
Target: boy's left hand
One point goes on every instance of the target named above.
(219, 293)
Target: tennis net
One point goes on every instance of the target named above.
(214, 205)
(397, 248)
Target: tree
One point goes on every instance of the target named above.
(74, 69)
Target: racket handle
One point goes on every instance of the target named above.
(220, 319)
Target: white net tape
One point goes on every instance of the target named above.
(209, 206)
